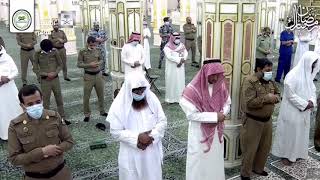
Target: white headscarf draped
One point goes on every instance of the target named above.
(300, 78)
(122, 104)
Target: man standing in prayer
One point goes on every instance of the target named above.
(190, 31)
(299, 98)
(264, 44)
(165, 31)
(9, 108)
(259, 96)
(101, 38)
(132, 54)
(90, 59)
(47, 65)
(38, 139)
(176, 55)
(27, 42)
(137, 120)
(206, 102)
(146, 46)
(285, 53)
(59, 38)
(304, 37)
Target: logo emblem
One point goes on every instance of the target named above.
(21, 20)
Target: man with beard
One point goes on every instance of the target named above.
(137, 120)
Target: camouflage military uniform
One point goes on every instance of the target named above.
(165, 31)
(103, 35)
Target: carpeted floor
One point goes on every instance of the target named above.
(102, 163)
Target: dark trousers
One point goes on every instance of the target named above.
(163, 44)
(284, 65)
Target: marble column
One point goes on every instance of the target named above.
(229, 30)
(125, 16)
(159, 12)
(66, 5)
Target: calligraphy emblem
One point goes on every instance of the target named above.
(302, 18)
(21, 19)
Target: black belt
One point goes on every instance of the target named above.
(46, 175)
(45, 77)
(27, 49)
(59, 47)
(92, 73)
(190, 39)
(258, 118)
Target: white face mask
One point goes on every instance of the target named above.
(167, 23)
(134, 43)
(267, 76)
(177, 41)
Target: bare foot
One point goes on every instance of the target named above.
(286, 162)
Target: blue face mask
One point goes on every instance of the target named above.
(35, 111)
(267, 76)
(138, 97)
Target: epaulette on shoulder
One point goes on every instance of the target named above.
(18, 119)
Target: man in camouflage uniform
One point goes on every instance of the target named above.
(47, 65)
(165, 31)
(190, 31)
(90, 59)
(59, 38)
(27, 42)
(101, 38)
(38, 139)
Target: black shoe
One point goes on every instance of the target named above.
(278, 81)
(24, 85)
(104, 114)
(159, 67)
(67, 122)
(86, 119)
(245, 178)
(315, 79)
(105, 74)
(67, 79)
(263, 173)
(101, 126)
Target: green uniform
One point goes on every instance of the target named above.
(263, 46)
(2, 42)
(190, 39)
(27, 137)
(256, 131)
(45, 63)
(27, 42)
(54, 37)
(92, 78)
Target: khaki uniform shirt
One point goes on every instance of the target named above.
(86, 57)
(263, 46)
(45, 63)
(23, 39)
(55, 36)
(254, 97)
(188, 31)
(28, 136)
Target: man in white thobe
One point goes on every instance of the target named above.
(9, 108)
(137, 120)
(304, 37)
(132, 54)
(206, 102)
(299, 98)
(146, 46)
(176, 55)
